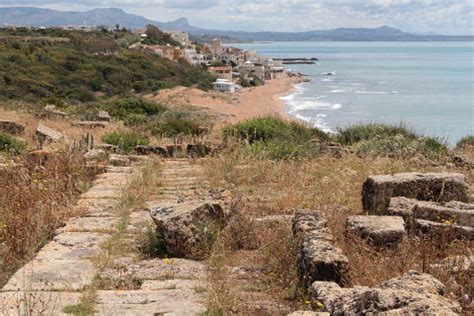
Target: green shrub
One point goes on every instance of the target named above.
(131, 108)
(175, 123)
(400, 146)
(85, 64)
(357, 133)
(271, 128)
(467, 141)
(275, 138)
(11, 145)
(125, 140)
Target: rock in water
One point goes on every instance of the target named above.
(11, 127)
(412, 294)
(441, 187)
(384, 231)
(318, 258)
(188, 229)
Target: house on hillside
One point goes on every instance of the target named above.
(223, 85)
(195, 58)
(222, 72)
(172, 53)
(215, 47)
(250, 70)
(180, 37)
(273, 69)
(232, 55)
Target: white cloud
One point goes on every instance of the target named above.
(441, 16)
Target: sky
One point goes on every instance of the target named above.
(451, 17)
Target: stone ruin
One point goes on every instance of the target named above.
(318, 258)
(432, 203)
(440, 187)
(188, 229)
(412, 294)
(398, 205)
(11, 127)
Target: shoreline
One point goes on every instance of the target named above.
(265, 100)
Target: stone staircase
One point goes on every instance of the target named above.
(69, 267)
(64, 267)
(158, 286)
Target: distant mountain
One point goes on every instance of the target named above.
(26, 16)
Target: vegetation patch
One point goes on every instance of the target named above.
(275, 138)
(125, 140)
(175, 123)
(390, 141)
(32, 205)
(11, 145)
(465, 142)
(86, 66)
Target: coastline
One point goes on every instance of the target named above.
(252, 102)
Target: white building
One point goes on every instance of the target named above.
(224, 85)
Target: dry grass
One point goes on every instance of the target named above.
(333, 186)
(61, 125)
(33, 203)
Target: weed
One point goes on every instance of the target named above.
(11, 145)
(125, 140)
(467, 141)
(357, 133)
(274, 138)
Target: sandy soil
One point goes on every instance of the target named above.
(251, 102)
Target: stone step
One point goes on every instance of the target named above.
(37, 302)
(444, 230)
(73, 246)
(90, 224)
(52, 275)
(149, 302)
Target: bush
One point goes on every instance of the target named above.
(125, 140)
(276, 138)
(390, 141)
(357, 133)
(127, 108)
(467, 141)
(400, 146)
(175, 123)
(11, 145)
(271, 128)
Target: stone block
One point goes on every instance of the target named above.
(44, 133)
(441, 187)
(11, 127)
(412, 294)
(384, 231)
(318, 258)
(188, 229)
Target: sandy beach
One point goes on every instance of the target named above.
(250, 102)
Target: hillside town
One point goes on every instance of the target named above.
(233, 67)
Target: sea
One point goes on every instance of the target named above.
(425, 86)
